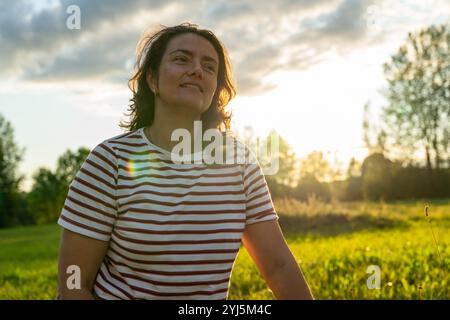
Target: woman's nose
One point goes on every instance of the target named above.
(197, 70)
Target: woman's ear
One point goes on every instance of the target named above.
(152, 83)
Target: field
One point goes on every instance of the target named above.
(333, 243)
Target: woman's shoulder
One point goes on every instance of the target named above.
(133, 136)
(110, 146)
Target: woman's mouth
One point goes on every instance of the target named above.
(191, 85)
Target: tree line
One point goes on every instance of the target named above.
(43, 203)
(409, 146)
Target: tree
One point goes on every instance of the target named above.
(374, 137)
(49, 190)
(46, 197)
(376, 174)
(350, 188)
(418, 75)
(315, 165)
(10, 157)
(69, 163)
(308, 186)
(287, 160)
(313, 172)
(354, 168)
(276, 158)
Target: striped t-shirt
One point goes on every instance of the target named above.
(174, 229)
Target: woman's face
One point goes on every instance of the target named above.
(187, 73)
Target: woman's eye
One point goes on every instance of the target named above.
(210, 68)
(184, 59)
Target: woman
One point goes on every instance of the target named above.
(139, 225)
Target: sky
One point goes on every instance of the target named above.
(304, 68)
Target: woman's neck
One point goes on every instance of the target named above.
(166, 122)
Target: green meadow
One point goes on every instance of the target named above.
(334, 244)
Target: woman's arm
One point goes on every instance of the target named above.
(266, 245)
(84, 252)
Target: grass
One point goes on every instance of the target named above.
(334, 244)
(28, 262)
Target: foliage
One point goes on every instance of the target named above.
(287, 161)
(47, 196)
(418, 114)
(49, 190)
(10, 157)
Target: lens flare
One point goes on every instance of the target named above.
(132, 168)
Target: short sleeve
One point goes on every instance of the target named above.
(90, 207)
(259, 205)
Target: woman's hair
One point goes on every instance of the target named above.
(150, 51)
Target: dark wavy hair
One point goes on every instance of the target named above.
(150, 51)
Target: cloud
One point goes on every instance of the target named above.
(261, 36)
(29, 37)
(99, 58)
